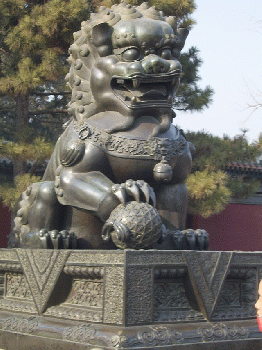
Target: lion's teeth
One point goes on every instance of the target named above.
(136, 83)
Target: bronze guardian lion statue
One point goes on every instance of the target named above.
(117, 174)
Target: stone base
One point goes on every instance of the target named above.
(22, 332)
(61, 300)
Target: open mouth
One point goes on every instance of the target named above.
(144, 90)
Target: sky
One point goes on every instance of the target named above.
(228, 34)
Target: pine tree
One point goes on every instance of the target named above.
(34, 39)
(190, 97)
(210, 187)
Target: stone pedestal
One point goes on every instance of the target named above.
(61, 300)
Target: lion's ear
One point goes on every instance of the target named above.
(101, 38)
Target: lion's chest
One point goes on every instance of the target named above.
(132, 168)
(132, 154)
(140, 159)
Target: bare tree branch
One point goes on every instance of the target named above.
(256, 103)
(48, 111)
(50, 121)
(50, 93)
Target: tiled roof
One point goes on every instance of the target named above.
(249, 169)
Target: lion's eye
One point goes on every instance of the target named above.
(166, 54)
(131, 54)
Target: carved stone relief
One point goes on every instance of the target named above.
(42, 269)
(8, 255)
(230, 295)
(207, 274)
(170, 295)
(2, 284)
(221, 332)
(171, 302)
(89, 272)
(170, 273)
(97, 258)
(151, 258)
(246, 259)
(82, 333)
(20, 324)
(18, 305)
(114, 295)
(139, 303)
(17, 286)
(86, 293)
(259, 273)
(238, 295)
(75, 313)
(13, 266)
(156, 336)
(149, 336)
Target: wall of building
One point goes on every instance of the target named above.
(238, 227)
(5, 225)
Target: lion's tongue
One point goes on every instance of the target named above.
(148, 90)
(152, 95)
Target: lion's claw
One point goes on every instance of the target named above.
(44, 238)
(120, 193)
(148, 192)
(190, 239)
(57, 240)
(134, 189)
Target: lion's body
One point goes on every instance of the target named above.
(124, 74)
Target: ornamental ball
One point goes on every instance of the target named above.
(141, 222)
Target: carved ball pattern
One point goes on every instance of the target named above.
(143, 222)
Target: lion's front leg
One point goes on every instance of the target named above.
(172, 202)
(90, 191)
(38, 210)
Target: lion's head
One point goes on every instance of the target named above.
(125, 59)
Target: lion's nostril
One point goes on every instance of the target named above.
(155, 64)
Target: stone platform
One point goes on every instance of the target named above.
(76, 300)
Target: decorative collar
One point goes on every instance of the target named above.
(153, 148)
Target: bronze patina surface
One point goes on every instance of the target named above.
(120, 156)
(116, 179)
(128, 299)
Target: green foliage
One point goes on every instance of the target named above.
(35, 151)
(35, 36)
(209, 187)
(10, 193)
(34, 39)
(208, 193)
(214, 152)
(190, 96)
(240, 188)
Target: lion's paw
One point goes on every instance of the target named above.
(131, 190)
(57, 239)
(190, 239)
